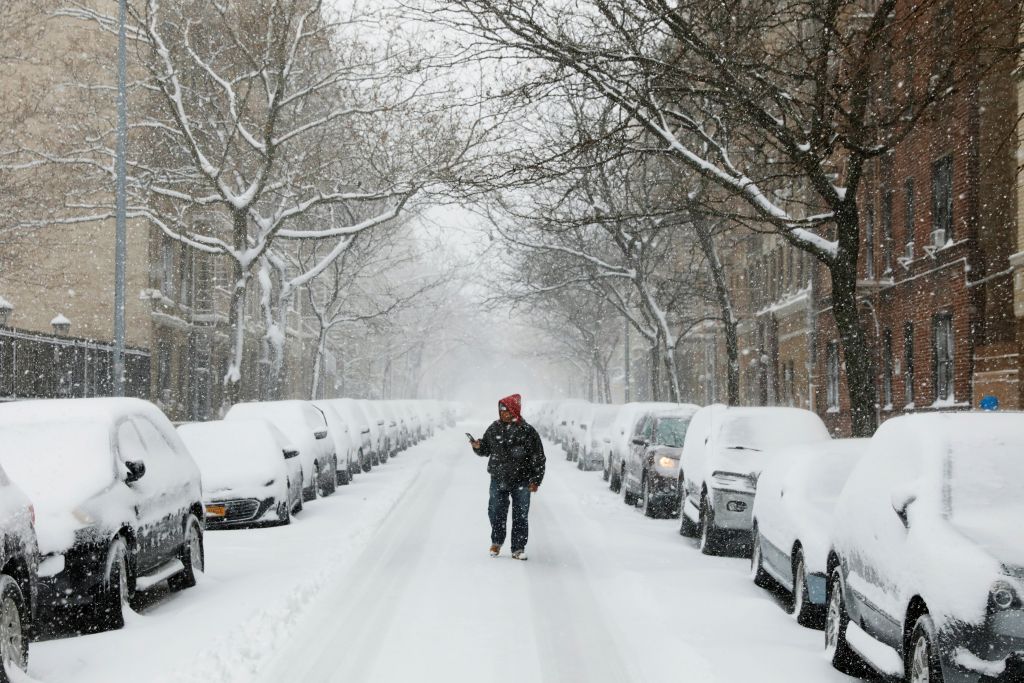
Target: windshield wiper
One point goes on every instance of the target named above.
(743, 448)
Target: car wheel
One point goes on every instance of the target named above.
(330, 477)
(191, 555)
(837, 650)
(344, 477)
(650, 508)
(805, 613)
(627, 497)
(757, 573)
(365, 461)
(614, 482)
(284, 511)
(923, 664)
(605, 474)
(383, 455)
(374, 459)
(14, 624)
(709, 541)
(686, 526)
(108, 609)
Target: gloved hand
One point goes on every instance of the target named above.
(534, 487)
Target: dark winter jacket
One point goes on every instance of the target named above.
(514, 448)
(515, 451)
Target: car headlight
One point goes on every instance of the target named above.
(667, 462)
(1003, 596)
(733, 481)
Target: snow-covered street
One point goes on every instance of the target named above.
(390, 579)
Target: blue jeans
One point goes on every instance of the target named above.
(497, 511)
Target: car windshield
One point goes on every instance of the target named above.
(671, 431)
(771, 429)
(985, 491)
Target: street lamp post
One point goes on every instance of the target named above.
(121, 222)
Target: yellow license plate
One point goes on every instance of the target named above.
(215, 511)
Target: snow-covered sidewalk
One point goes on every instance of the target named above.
(389, 580)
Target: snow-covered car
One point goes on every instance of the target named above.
(722, 459)
(792, 518)
(926, 573)
(621, 434)
(651, 469)
(306, 428)
(578, 430)
(19, 570)
(117, 498)
(354, 416)
(392, 435)
(593, 451)
(345, 450)
(378, 431)
(251, 476)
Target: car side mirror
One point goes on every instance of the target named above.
(136, 470)
(322, 434)
(290, 453)
(639, 442)
(901, 503)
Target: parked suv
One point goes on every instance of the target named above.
(926, 573)
(652, 465)
(719, 469)
(117, 500)
(19, 567)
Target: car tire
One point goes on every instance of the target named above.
(192, 555)
(758, 575)
(108, 609)
(709, 534)
(687, 527)
(331, 477)
(344, 477)
(650, 508)
(627, 497)
(922, 658)
(374, 459)
(614, 482)
(800, 606)
(837, 649)
(383, 456)
(14, 627)
(367, 465)
(284, 512)
(605, 474)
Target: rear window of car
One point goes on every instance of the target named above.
(985, 472)
(772, 429)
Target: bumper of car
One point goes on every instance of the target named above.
(240, 512)
(992, 653)
(733, 509)
(78, 583)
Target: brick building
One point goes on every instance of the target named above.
(940, 218)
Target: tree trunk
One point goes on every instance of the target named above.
(671, 369)
(236, 315)
(860, 367)
(654, 361)
(724, 299)
(318, 360)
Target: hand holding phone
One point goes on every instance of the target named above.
(472, 441)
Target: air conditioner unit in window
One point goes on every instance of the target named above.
(938, 238)
(908, 256)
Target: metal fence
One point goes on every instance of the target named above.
(36, 365)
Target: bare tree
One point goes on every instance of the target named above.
(780, 105)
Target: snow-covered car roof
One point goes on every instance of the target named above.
(765, 428)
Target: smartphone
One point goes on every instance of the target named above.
(470, 437)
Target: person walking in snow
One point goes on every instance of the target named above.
(516, 465)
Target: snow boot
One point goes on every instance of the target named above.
(518, 554)
(495, 549)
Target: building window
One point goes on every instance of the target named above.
(832, 376)
(789, 382)
(908, 363)
(887, 370)
(869, 241)
(942, 201)
(942, 348)
(887, 231)
(167, 267)
(908, 215)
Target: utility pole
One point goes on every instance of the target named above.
(121, 227)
